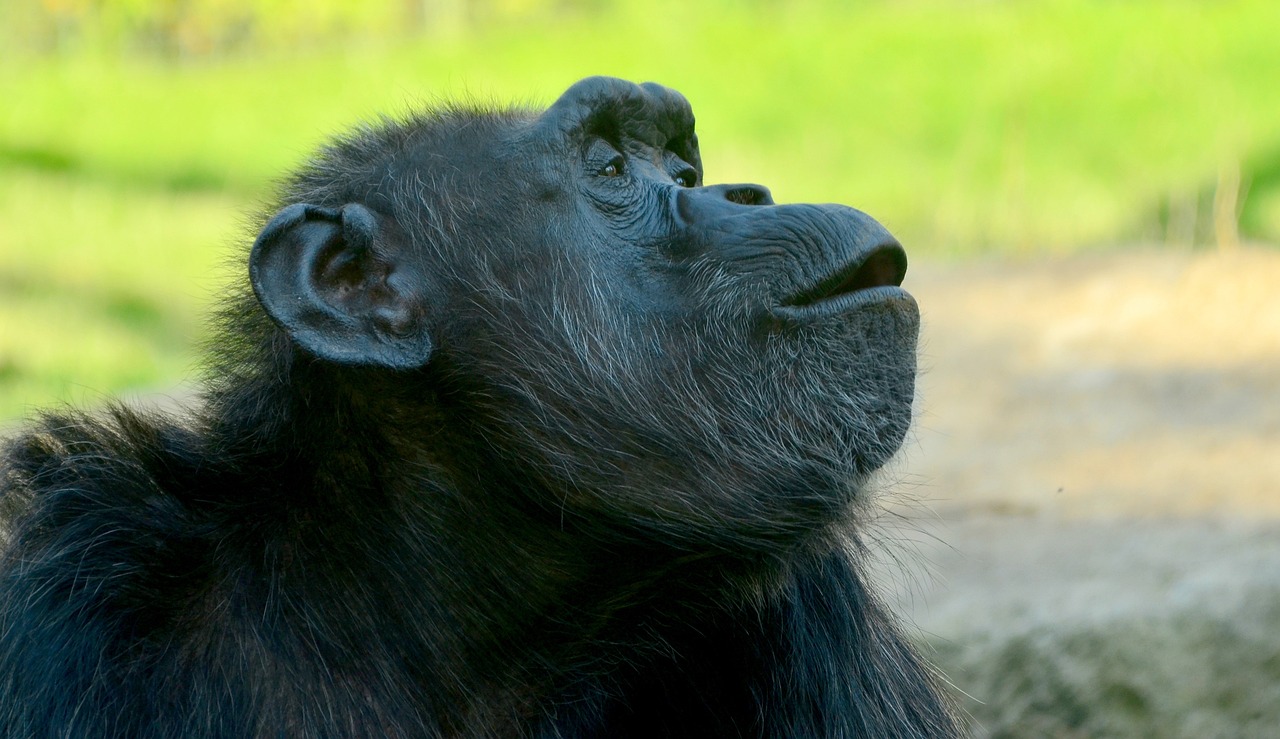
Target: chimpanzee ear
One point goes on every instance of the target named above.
(329, 278)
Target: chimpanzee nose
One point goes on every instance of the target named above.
(701, 204)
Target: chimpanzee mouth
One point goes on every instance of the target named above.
(869, 276)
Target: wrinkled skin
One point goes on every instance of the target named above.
(522, 431)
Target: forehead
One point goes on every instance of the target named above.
(455, 147)
(618, 111)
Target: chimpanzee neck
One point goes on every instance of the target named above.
(447, 549)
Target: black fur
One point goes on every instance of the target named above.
(521, 431)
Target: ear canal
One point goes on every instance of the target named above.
(322, 275)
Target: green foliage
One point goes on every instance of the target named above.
(184, 28)
(965, 127)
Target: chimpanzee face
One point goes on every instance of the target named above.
(606, 321)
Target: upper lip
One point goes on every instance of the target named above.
(880, 266)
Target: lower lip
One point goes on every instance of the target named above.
(847, 303)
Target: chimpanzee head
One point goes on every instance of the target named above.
(624, 342)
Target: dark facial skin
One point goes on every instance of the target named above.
(517, 429)
(759, 358)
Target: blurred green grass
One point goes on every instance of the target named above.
(102, 288)
(966, 127)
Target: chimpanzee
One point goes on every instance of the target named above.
(516, 430)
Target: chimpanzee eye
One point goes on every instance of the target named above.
(687, 178)
(614, 168)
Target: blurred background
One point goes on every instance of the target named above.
(1085, 529)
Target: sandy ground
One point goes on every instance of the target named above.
(1097, 450)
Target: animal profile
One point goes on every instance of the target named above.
(514, 428)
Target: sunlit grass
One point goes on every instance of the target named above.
(1023, 125)
(102, 287)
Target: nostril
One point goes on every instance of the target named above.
(697, 205)
(748, 195)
